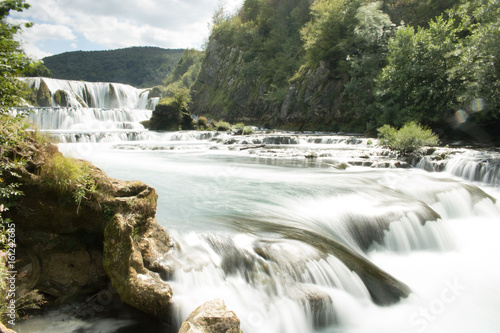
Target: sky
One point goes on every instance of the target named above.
(88, 25)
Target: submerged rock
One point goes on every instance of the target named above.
(211, 317)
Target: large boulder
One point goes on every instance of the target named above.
(69, 250)
(211, 317)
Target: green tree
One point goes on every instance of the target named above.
(478, 52)
(36, 69)
(415, 86)
(372, 33)
(12, 58)
(328, 35)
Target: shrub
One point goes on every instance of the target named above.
(410, 137)
(222, 126)
(202, 122)
(247, 130)
(242, 129)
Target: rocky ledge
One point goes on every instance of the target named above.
(71, 249)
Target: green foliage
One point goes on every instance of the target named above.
(185, 74)
(371, 36)
(137, 66)
(36, 69)
(13, 61)
(222, 126)
(68, 176)
(477, 53)
(416, 12)
(13, 136)
(415, 85)
(443, 59)
(241, 129)
(328, 36)
(435, 71)
(408, 138)
(268, 35)
(172, 114)
(202, 123)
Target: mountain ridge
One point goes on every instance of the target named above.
(139, 66)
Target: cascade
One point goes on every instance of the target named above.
(67, 93)
(303, 247)
(476, 166)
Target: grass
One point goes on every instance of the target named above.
(67, 175)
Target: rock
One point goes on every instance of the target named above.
(4, 329)
(69, 251)
(44, 96)
(211, 317)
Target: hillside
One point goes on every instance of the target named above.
(138, 66)
(353, 65)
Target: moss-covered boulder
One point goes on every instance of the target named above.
(61, 98)
(44, 96)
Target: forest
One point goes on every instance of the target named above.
(354, 65)
(138, 66)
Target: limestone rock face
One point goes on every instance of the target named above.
(211, 317)
(68, 251)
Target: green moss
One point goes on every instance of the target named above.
(61, 98)
(44, 96)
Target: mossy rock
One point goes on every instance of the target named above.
(44, 96)
(61, 98)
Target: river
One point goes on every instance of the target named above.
(251, 217)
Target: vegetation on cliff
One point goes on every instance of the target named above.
(353, 65)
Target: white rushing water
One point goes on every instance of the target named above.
(80, 94)
(257, 225)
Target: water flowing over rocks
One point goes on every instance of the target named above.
(66, 93)
(291, 229)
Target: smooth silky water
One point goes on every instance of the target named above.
(249, 227)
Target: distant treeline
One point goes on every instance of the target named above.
(137, 66)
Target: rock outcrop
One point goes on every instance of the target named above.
(68, 249)
(211, 317)
(312, 99)
(221, 92)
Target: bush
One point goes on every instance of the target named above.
(410, 137)
(222, 126)
(202, 122)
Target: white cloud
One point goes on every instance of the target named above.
(34, 52)
(48, 31)
(123, 23)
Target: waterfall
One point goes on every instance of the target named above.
(66, 93)
(87, 118)
(476, 166)
(472, 165)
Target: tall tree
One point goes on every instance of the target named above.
(13, 60)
